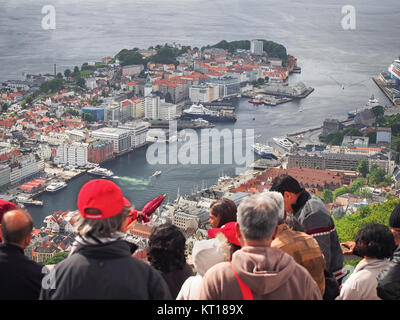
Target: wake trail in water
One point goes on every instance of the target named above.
(133, 183)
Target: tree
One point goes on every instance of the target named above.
(377, 176)
(327, 196)
(168, 98)
(88, 117)
(4, 107)
(59, 75)
(67, 73)
(76, 69)
(363, 168)
(59, 256)
(378, 111)
(81, 82)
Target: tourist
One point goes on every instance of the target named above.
(222, 211)
(205, 254)
(389, 278)
(258, 271)
(301, 246)
(375, 243)
(20, 277)
(228, 232)
(4, 207)
(316, 219)
(166, 253)
(101, 265)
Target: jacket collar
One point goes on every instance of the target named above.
(109, 250)
(11, 248)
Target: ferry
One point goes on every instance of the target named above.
(199, 111)
(372, 102)
(56, 186)
(101, 172)
(157, 173)
(256, 101)
(264, 151)
(284, 143)
(27, 201)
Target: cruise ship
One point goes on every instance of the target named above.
(264, 151)
(198, 111)
(100, 172)
(284, 143)
(394, 71)
(56, 186)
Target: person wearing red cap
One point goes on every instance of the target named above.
(100, 265)
(4, 207)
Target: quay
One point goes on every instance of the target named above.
(384, 90)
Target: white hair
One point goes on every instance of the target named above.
(258, 215)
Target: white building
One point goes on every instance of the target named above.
(91, 83)
(138, 131)
(112, 112)
(5, 171)
(204, 92)
(256, 47)
(121, 138)
(151, 107)
(167, 111)
(78, 154)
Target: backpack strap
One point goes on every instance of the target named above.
(246, 292)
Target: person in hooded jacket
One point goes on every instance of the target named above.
(258, 271)
(100, 264)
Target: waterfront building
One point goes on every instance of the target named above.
(365, 118)
(138, 130)
(121, 138)
(256, 47)
(167, 111)
(100, 151)
(330, 126)
(275, 62)
(78, 154)
(228, 86)
(203, 93)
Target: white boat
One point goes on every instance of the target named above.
(284, 143)
(101, 172)
(27, 201)
(372, 102)
(157, 173)
(56, 186)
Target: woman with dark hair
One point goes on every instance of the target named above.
(166, 253)
(222, 211)
(375, 243)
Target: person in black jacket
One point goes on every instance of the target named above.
(20, 277)
(389, 279)
(100, 265)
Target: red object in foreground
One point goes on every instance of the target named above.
(147, 210)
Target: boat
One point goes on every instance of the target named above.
(101, 172)
(27, 201)
(372, 102)
(223, 179)
(284, 143)
(157, 173)
(56, 186)
(199, 111)
(265, 151)
(255, 101)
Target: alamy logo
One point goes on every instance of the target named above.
(196, 147)
(49, 20)
(49, 279)
(349, 20)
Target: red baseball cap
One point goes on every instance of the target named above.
(103, 195)
(6, 206)
(229, 230)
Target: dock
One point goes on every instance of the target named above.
(384, 90)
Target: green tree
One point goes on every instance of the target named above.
(58, 257)
(363, 168)
(59, 75)
(128, 57)
(81, 82)
(378, 111)
(340, 191)
(377, 175)
(168, 98)
(67, 73)
(88, 117)
(4, 107)
(327, 196)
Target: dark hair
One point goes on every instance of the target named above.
(15, 236)
(284, 183)
(293, 223)
(166, 250)
(225, 210)
(394, 219)
(375, 241)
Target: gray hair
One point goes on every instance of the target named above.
(101, 228)
(258, 215)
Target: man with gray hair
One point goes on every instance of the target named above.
(257, 271)
(100, 265)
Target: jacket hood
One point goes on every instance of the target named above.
(264, 269)
(109, 250)
(371, 264)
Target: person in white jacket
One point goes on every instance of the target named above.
(375, 243)
(205, 254)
